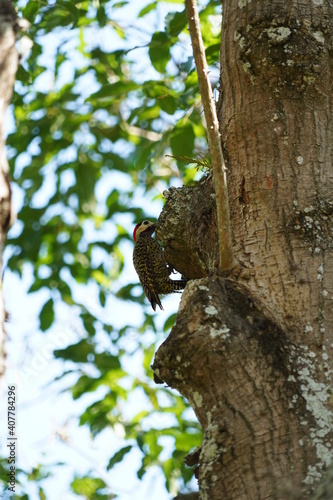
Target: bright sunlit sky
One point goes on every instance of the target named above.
(47, 417)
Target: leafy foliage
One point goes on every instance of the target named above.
(90, 488)
(107, 114)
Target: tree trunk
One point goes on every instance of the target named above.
(8, 66)
(252, 351)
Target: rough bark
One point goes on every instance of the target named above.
(8, 66)
(185, 229)
(252, 351)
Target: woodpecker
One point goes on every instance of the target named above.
(151, 266)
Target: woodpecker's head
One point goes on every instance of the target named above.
(145, 227)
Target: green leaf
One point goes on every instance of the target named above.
(101, 16)
(213, 52)
(148, 8)
(29, 12)
(125, 293)
(69, 7)
(37, 285)
(23, 75)
(175, 22)
(89, 488)
(102, 297)
(182, 140)
(118, 456)
(147, 358)
(105, 362)
(100, 278)
(168, 104)
(117, 5)
(76, 352)
(41, 493)
(116, 89)
(170, 322)
(159, 51)
(46, 316)
(188, 65)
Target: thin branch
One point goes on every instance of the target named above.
(214, 139)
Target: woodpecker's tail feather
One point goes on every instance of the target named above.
(154, 300)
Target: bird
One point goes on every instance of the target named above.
(151, 266)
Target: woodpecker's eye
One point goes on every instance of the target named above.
(145, 222)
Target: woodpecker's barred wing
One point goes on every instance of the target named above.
(144, 256)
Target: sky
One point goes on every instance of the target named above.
(47, 416)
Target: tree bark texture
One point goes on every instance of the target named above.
(252, 351)
(8, 67)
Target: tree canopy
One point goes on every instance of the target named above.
(107, 116)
